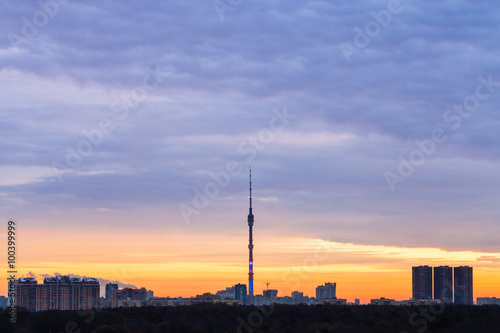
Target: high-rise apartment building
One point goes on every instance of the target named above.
(422, 282)
(109, 289)
(26, 293)
(58, 293)
(443, 284)
(240, 292)
(328, 291)
(463, 285)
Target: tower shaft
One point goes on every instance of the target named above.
(250, 242)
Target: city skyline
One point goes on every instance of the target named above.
(423, 286)
(448, 288)
(127, 131)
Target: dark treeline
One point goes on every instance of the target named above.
(209, 318)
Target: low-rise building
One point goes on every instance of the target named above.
(383, 301)
(206, 298)
(228, 301)
(487, 301)
(337, 301)
(105, 303)
(129, 303)
(421, 301)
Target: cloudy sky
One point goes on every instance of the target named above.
(127, 129)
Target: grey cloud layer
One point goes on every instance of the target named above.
(220, 82)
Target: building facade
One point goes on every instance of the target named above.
(58, 293)
(328, 291)
(443, 284)
(422, 282)
(463, 285)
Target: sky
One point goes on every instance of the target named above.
(127, 129)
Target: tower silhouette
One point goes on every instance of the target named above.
(250, 243)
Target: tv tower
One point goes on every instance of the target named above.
(250, 243)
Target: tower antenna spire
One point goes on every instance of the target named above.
(250, 190)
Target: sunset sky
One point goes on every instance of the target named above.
(373, 131)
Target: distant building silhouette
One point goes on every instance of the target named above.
(487, 300)
(270, 294)
(149, 293)
(328, 291)
(334, 301)
(443, 284)
(422, 282)
(383, 301)
(206, 298)
(240, 292)
(413, 302)
(128, 294)
(463, 285)
(58, 293)
(228, 293)
(109, 289)
(105, 303)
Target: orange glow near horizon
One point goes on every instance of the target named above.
(171, 266)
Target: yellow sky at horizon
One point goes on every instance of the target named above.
(190, 264)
